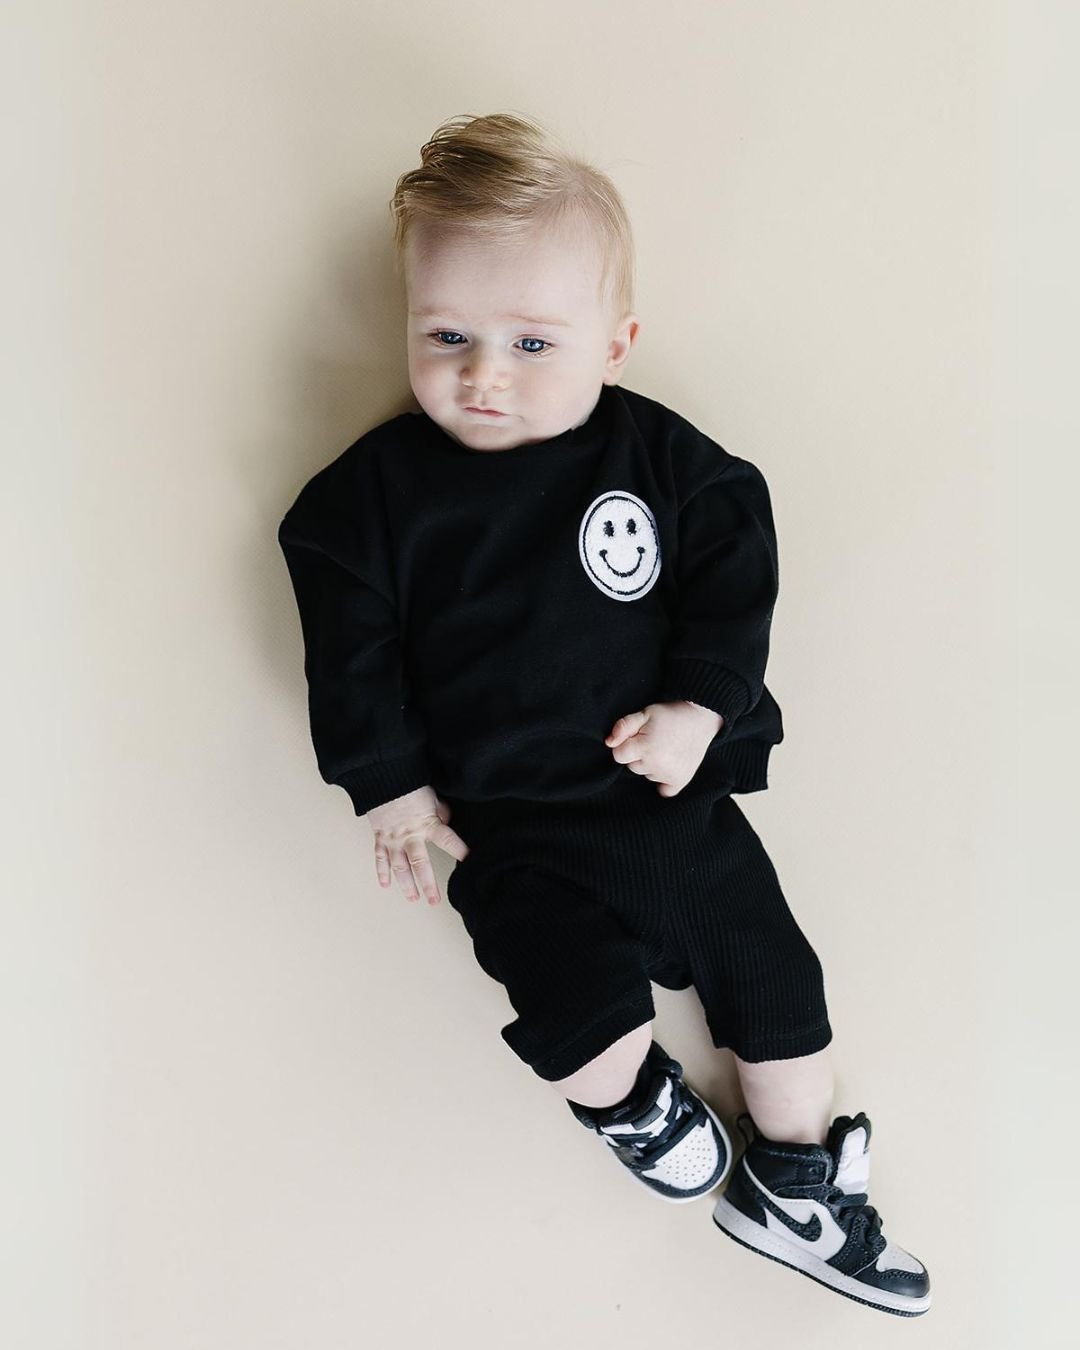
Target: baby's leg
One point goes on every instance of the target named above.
(609, 1077)
(790, 1100)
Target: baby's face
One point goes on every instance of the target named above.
(517, 327)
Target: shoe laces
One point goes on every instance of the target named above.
(841, 1201)
(685, 1112)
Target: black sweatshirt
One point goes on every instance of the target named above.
(477, 621)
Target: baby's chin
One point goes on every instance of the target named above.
(479, 432)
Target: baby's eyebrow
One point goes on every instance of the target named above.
(524, 318)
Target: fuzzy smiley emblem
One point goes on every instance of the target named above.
(619, 545)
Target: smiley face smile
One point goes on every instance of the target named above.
(641, 554)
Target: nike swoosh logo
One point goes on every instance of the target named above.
(810, 1231)
(807, 1223)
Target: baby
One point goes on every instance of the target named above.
(540, 608)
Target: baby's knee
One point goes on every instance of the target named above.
(611, 1074)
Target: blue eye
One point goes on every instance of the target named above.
(441, 334)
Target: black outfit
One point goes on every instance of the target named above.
(575, 907)
(477, 621)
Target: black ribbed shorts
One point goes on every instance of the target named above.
(575, 907)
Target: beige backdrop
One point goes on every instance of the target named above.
(254, 1101)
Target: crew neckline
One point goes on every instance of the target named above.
(573, 441)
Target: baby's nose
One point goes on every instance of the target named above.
(482, 371)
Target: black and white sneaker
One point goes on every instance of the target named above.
(804, 1205)
(665, 1136)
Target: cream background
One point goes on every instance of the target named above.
(253, 1101)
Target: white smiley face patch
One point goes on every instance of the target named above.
(620, 546)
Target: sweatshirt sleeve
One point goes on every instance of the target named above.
(727, 584)
(337, 551)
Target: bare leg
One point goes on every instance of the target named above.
(790, 1100)
(610, 1076)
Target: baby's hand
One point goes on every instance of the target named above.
(664, 741)
(402, 828)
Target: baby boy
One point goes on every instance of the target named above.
(539, 608)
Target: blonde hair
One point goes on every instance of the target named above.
(500, 175)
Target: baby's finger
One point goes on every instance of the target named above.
(424, 873)
(626, 726)
(450, 842)
(403, 871)
(628, 752)
(382, 863)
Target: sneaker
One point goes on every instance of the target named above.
(804, 1205)
(672, 1142)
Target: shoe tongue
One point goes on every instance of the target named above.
(652, 1118)
(848, 1142)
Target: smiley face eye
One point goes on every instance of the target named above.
(631, 527)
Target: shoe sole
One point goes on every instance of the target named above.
(697, 1195)
(750, 1234)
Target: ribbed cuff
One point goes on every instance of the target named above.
(371, 785)
(703, 682)
(744, 764)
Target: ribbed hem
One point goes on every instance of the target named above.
(585, 1045)
(371, 785)
(805, 1041)
(706, 683)
(739, 767)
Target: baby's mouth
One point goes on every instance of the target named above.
(641, 554)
